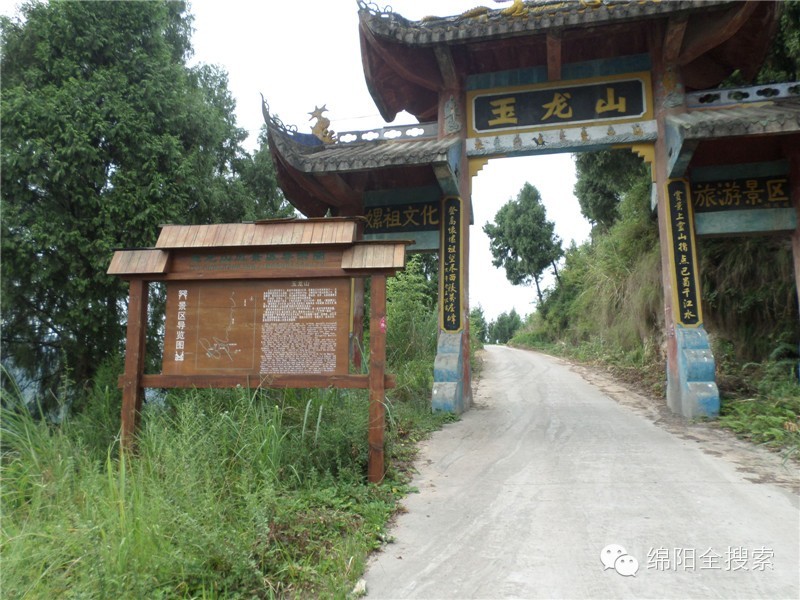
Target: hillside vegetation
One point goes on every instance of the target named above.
(232, 493)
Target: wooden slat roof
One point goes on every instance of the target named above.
(284, 232)
(375, 255)
(359, 255)
(138, 262)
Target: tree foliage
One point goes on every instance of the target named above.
(602, 179)
(478, 327)
(522, 240)
(504, 327)
(783, 60)
(107, 133)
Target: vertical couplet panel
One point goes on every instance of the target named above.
(683, 255)
(451, 293)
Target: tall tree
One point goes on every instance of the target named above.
(259, 179)
(106, 134)
(603, 177)
(523, 241)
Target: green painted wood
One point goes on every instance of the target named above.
(424, 241)
(582, 70)
(737, 222)
(740, 171)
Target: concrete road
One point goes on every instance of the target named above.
(520, 498)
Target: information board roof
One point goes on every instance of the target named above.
(129, 262)
(276, 248)
(280, 232)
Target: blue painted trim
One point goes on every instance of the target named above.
(695, 394)
(411, 195)
(679, 151)
(723, 172)
(485, 81)
(601, 67)
(448, 374)
(755, 220)
(582, 70)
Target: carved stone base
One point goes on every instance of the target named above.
(695, 394)
(448, 375)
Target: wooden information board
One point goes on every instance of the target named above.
(297, 326)
(261, 305)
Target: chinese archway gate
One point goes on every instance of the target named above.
(551, 77)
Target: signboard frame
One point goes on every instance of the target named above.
(559, 95)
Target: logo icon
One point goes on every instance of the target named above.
(616, 557)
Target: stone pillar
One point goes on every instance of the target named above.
(691, 384)
(452, 388)
(794, 177)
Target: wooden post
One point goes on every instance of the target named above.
(132, 392)
(377, 366)
(358, 322)
(794, 174)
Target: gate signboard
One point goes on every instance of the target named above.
(597, 101)
(267, 304)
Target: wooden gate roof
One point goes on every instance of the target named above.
(764, 131)
(407, 62)
(319, 178)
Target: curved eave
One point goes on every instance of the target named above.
(402, 70)
(334, 177)
(764, 132)
(769, 118)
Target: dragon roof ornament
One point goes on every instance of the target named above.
(273, 120)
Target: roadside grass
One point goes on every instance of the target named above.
(231, 494)
(759, 401)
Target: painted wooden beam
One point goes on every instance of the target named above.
(131, 380)
(350, 202)
(444, 58)
(673, 38)
(702, 38)
(553, 56)
(743, 222)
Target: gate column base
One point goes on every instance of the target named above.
(448, 375)
(695, 393)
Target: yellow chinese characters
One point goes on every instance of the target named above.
(558, 106)
(610, 103)
(504, 111)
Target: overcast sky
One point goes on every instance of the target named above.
(306, 54)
